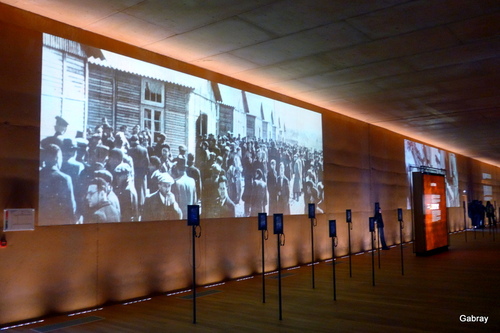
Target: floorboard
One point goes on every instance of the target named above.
(430, 297)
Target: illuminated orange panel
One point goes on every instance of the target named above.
(435, 211)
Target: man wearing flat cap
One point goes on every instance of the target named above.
(161, 205)
(125, 190)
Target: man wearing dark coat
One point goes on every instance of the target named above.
(380, 225)
(210, 192)
(60, 128)
(161, 205)
(97, 161)
(283, 192)
(100, 209)
(272, 186)
(140, 156)
(57, 202)
(70, 165)
(194, 172)
(248, 172)
(224, 206)
(161, 142)
(126, 193)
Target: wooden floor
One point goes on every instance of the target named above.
(430, 297)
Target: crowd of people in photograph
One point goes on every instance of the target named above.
(127, 175)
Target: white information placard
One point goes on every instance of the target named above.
(18, 219)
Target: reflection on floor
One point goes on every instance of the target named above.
(435, 294)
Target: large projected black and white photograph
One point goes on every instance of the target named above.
(123, 140)
(418, 155)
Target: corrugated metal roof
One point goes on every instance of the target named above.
(142, 68)
(71, 47)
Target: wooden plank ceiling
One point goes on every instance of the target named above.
(426, 69)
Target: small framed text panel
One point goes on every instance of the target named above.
(18, 219)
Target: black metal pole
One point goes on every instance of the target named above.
(279, 277)
(333, 264)
(474, 228)
(378, 246)
(263, 270)
(401, 245)
(194, 275)
(312, 251)
(494, 226)
(373, 259)
(465, 221)
(350, 253)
